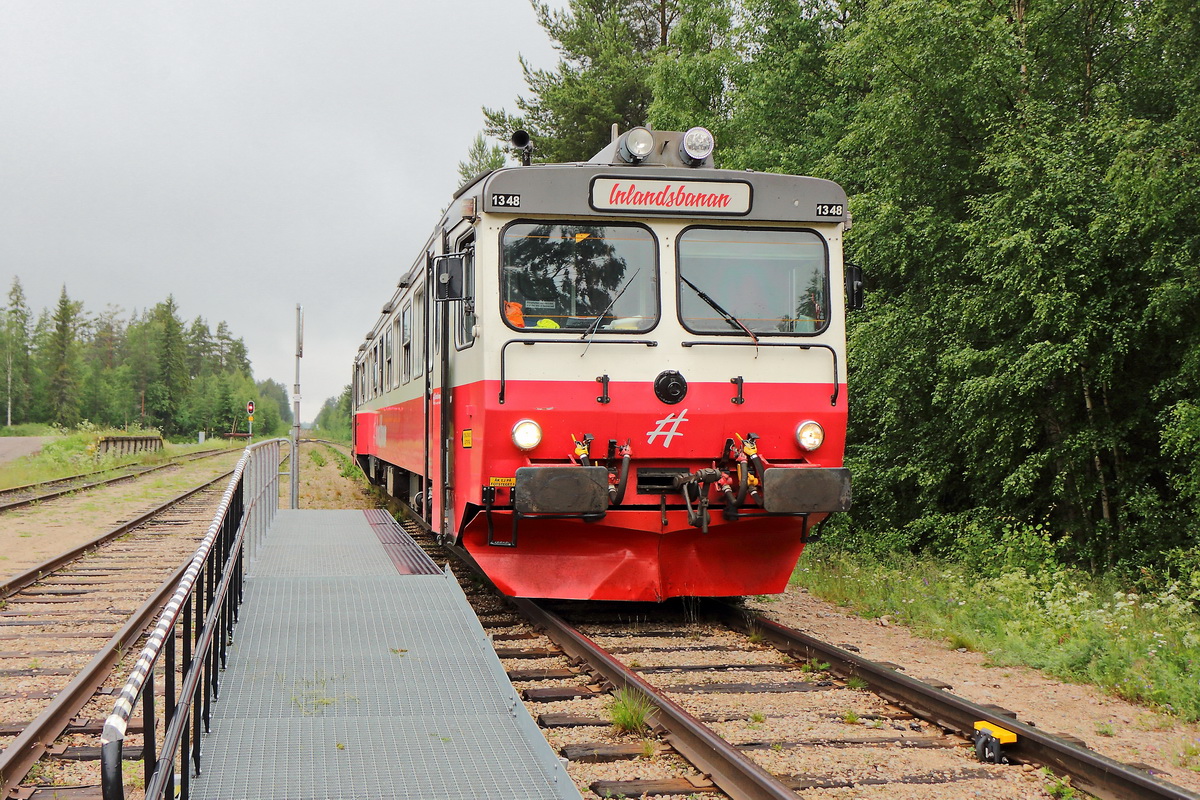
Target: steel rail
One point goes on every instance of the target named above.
(734, 773)
(1096, 774)
(184, 457)
(117, 479)
(36, 573)
(1088, 770)
(24, 751)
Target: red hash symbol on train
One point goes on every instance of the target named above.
(667, 428)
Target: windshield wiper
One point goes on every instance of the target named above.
(595, 326)
(730, 318)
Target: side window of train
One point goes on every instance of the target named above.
(379, 366)
(464, 318)
(374, 375)
(389, 374)
(395, 352)
(406, 343)
(419, 333)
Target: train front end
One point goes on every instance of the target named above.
(661, 408)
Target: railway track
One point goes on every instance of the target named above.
(747, 708)
(66, 624)
(19, 496)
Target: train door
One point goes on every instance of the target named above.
(427, 351)
(453, 287)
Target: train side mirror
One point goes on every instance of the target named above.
(448, 277)
(854, 287)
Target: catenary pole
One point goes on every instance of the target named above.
(295, 469)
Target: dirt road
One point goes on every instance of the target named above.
(13, 447)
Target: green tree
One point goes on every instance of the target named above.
(166, 393)
(61, 365)
(228, 410)
(141, 358)
(481, 158)
(231, 352)
(271, 392)
(1028, 210)
(17, 346)
(607, 49)
(107, 394)
(201, 348)
(333, 420)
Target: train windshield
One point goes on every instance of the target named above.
(770, 281)
(586, 277)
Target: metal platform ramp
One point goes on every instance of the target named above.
(349, 679)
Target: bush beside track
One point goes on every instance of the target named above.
(1141, 645)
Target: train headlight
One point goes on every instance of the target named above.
(810, 435)
(697, 145)
(527, 434)
(637, 144)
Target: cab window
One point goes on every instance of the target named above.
(578, 276)
(769, 281)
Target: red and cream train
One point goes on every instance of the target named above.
(621, 379)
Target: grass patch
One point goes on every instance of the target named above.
(628, 711)
(317, 458)
(348, 467)
(1188, 756)
(1057, 786)
(74, 452)
(1144, 647)
(29, 429)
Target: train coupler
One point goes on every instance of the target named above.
(734, 462)
(725, 487)
(697, 484)
(617, 481)
(583, 448)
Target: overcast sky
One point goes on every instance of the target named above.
(244, 156)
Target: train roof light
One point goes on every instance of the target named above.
(637, 144)
(697, 145)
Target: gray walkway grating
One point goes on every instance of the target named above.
(347, 679)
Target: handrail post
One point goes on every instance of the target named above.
(169, 704)
(149, 751)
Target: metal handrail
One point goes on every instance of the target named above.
(238, 525)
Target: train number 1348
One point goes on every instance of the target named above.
(829, 209)
(506, 200)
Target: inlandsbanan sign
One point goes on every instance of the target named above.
(670, 197)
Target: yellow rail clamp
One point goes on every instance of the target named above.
(1002, 735)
